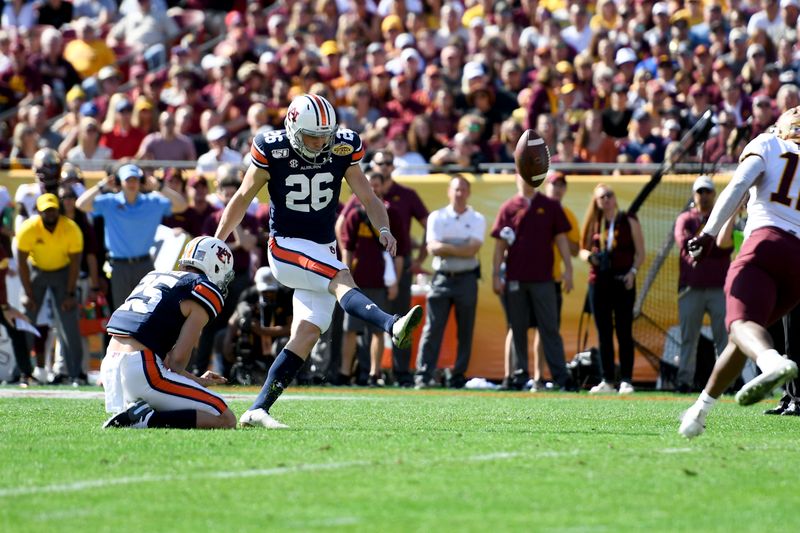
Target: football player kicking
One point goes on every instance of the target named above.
(153, 333)
(762, 283)
(303, 167)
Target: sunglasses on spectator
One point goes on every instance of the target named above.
(606, 195)
(704, 191)
(384, 163)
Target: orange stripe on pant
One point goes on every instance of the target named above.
(306, 263)
(159, 383)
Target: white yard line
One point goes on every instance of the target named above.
(77, 486)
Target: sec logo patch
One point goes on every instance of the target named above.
(342, 149)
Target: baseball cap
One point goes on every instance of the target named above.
(123, 105)
(107, 73)
(265, 280)
(329, 48)
(216, 133)
(672, 124)
(660, 8)
(127, 172)
(737, 35)
(391, 22)
(755, 49)
(374, 48)
(625, 55)
(702, 182)
(75, 93)
(473, 69)
(46, 201)
(640, 114)
(404, 40)
(89, 109)
(556, 175)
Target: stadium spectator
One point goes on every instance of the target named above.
(454, 236)
(103, 11)
(131, 218)
(641, 145)
(71, 118)
(375, 272)
(174, 179)
(421, 139)
(359, 112)
(19, 14)
(56, 13)
(406, 162)
(463, 152)
(142, 117)
(110, 80)
(788, 97)
(24, 144)
(199, 209)
(613, 245)
(763, 115)
(20, 83)
(145, 32)
(87, 153)
(56, 72)
(700, 287)
(53, 244)
(166, 144)
(528, 225)
(88, 53)
(48, 138)
(8, 316)
(257, 122)
(123, 139)
(219, 152)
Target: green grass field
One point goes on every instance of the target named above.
(402, 461)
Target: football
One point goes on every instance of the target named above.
(532, 158)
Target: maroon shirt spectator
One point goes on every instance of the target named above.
(624, 249)
(54, 70)
(358, 237)
(199, 209)
(167, 143)
(407, 204)
(714, 266)
(20, 82)
(124, 140)
(402, 107)
(535, 222)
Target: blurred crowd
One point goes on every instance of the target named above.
(182, 87)
(437, 82)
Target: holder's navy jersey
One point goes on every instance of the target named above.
(303, 196)
(152, 313)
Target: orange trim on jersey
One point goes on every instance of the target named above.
(161, 384)
(258, 156)
(212, 297)
(302, 261)
(323, 113)
(358, 155)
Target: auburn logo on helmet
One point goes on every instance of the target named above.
(223, 255)
(293, 114)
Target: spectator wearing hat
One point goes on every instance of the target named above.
(754, 67)
(199, 208)
(219, 152)
(737, 57)
(85, 149)
(331, 57)
(276, 28)
(131, 218)
(626, 60)
(697, 101)
(55, 71)
(87, 53)
(511, 77)
(124, 139)
(641, 146)
(65, 124)
(142, 117)
(401, 107)
(53, 244)
(166, 144)
(104, 88)
(700, 286)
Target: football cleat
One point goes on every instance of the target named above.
(793, 408)
(404, 326)
(135, 417)
(754, 390)
(693, 423)
(626, 388)
(604, 387)
(781, 407)
(260, 418)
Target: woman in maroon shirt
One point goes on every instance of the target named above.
(612, 243)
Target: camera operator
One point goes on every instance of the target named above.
(257, 330)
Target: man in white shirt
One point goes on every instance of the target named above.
(454, 235)
(578, 35)
(219, 153)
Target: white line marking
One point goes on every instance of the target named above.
(677, 450)
(78, 486)
(98, 395)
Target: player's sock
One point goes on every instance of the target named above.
(769, 360)
(705, 402)
(281, 373)
(181, 419)
(358, 305)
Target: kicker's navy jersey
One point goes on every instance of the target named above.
(152, 313)
(303, 197)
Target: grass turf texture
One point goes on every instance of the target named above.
(402, 461)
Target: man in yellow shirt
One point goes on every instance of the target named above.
(88, 53)
(53, 244)
(555, 188)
